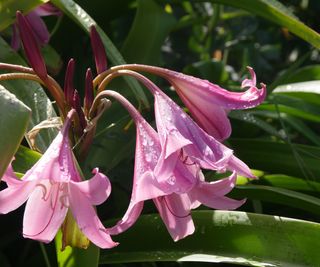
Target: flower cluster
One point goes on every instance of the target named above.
(169, 158)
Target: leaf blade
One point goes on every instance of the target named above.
(276, 12)
(13, 123)
(252, 239)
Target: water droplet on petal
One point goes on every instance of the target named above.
(148, 157)
(144, 142)
(183, 115)
(171, 180)
(207, 151)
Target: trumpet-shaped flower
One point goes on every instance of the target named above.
(208, 103)
(52, 187)
(181, 137)
(175, 184)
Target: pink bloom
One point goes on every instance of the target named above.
(166, 176)
(208, 103)
(51, 187)
(180, 137)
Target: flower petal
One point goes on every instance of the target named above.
(10, 177)
(87, 219)
(211, 195)
(210, 117)
(250, 82)
(47, 9)
(15, 39)
(39, 27)
(174, 210)
(201, 147)
(57, 163)
(240, 167)
(44, 212)
(212, 93)
(146, 187)
(15, 195)
(97, 189)
(131, 216)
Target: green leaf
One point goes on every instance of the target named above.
(213, 70)
(295, 123)
(300, 126)
(278, 195)
(52, 58)
(308, 91)
(13, 123)
(291, 183)
(32, 94)
(78, 15)
(25, 158)
(249, 117)
(295, 106)
(153, 24)
(275, 157)
(307, 73)
(276, 12)
(8, 10)
(222, 236)
(76, 257)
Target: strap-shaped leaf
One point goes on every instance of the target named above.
(151, 23)
(277, 157)
(222, 236)
(14, 119)
(276, 12)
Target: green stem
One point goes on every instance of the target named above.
(45, 255)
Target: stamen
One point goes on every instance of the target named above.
(64, 200)
(188, 164)
(163, 198)
(185, 158)
(44, 191)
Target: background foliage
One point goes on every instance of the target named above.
(214, 40)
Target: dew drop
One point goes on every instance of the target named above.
(148, 157)
(183, 115)
(144, 142)
(171, 180)
(207, 151)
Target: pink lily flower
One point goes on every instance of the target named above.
(208, 103)
(175, 186)
(181, 137)
(52, 187)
